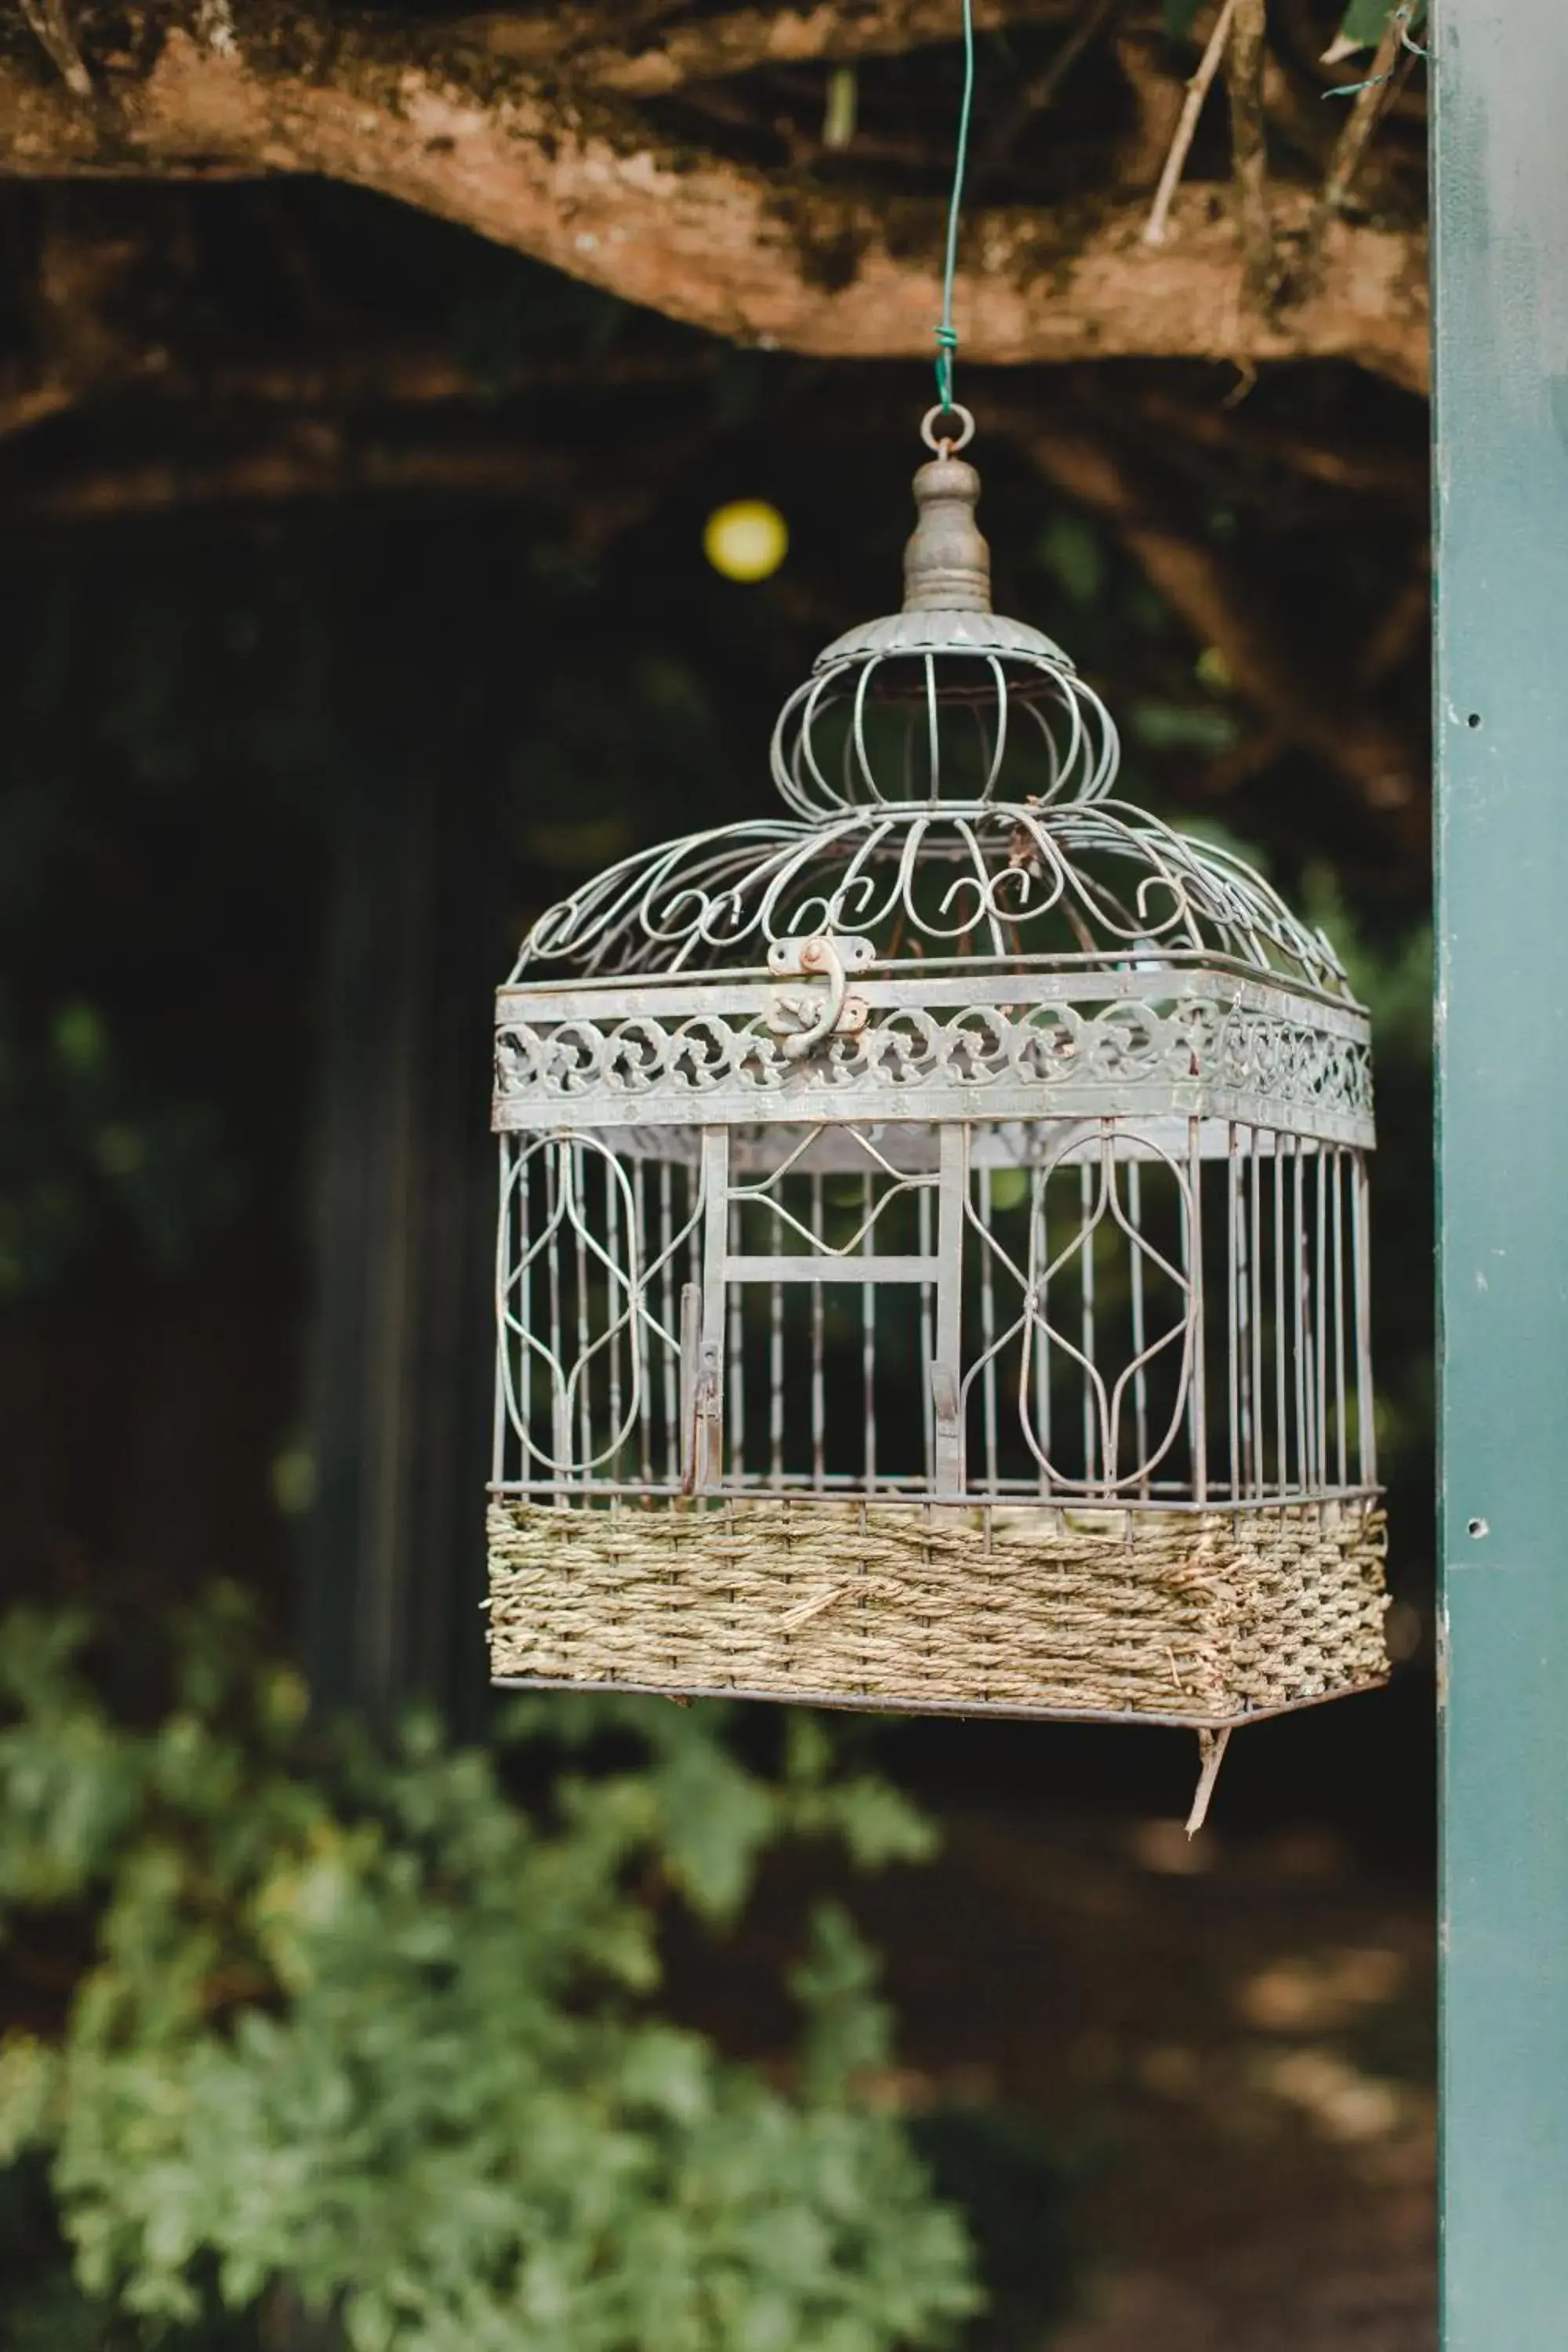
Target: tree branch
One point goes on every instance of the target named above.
(772, 261)
(25, 404)
(370, 379)
(1244, 78)
(1040, 91)
(1366, 111)
(1279, 675)
(1198, 89)
(1157, 105)
(52, 29)
(312, 460)
(590, 46)
(312, 456)
(1391, 473)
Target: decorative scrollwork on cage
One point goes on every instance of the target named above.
(1146, 1054)
(1112, 1187)
(1100, 880)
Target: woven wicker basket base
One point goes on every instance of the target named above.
(1202, 1618)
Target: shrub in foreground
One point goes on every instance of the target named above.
(357, 2026)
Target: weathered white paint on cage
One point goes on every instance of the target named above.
(883, 1324)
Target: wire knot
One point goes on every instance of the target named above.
(1401, 22)
(947, 343)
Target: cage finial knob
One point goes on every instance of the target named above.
(947, 565)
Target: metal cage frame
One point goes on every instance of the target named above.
(933, 1221)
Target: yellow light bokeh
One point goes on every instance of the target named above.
(746, 540)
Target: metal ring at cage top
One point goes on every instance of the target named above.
(944, 444)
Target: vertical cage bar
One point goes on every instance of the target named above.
(1139, 1377)
(775, 1380)
(667, 1317)
(612, 1311)
(1281, 1416)
(690, 1386)
(1319, 1319)
(1340, 1441)
(1089, 1174)
(1039, 1309)
(715, 1239)
(923, 1218)
(525, 1295)
(1232, 1336)
(641, 1334)
(818, 1351)
(559, 1425)
(1197, 1310)
(1365, 1405)
(1298, 1280)
(581, 1373)
(868, 1341)
(1245, 1339)
(696, 1182)
(932, 729)
(952, 1192)
(1254, 1412)
(988, 1335)
(512, 1242)
(735, 1376)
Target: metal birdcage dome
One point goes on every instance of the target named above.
(933, 1266)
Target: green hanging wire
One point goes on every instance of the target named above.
(947, 333)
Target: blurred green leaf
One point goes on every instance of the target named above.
(1073, 554)
(1182, 727)
(80, 1039)
(1363, 24)
(1365, 21)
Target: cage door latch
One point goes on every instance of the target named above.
(802, 1017)
(702, 1399)
(947, 1468)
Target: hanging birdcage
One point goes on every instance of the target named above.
(933, 1266)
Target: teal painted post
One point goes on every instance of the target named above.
(1500, 75)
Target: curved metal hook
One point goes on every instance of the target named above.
(818, 1015)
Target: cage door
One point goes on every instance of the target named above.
(722, 1324)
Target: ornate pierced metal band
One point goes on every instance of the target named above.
(962, 1047)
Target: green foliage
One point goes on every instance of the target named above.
(1072, 553)
(45, 2310)
(1362, 27)
(1365, 21)
(1183, 726)
(358, 2022)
